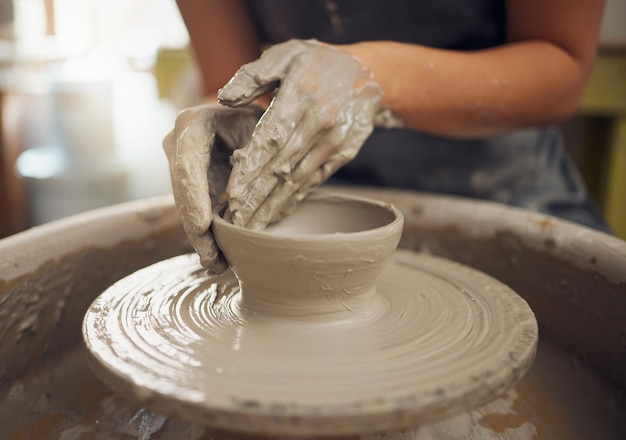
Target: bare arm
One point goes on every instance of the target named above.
(223, 39)
(537, 78)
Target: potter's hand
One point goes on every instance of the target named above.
(322, 113)
(198, 150)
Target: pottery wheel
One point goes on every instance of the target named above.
(442, 338)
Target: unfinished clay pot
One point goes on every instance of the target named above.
(323, 259)
(312, 333)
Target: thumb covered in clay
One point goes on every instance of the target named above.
(198, 150)
(322, 112)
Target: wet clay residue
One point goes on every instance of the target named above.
(579, 310)
(41, 312)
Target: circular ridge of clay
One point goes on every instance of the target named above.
(442, 338)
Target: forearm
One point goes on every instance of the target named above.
(472, 94)
(537, 78)
(222, 38)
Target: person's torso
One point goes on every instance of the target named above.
(449, 24)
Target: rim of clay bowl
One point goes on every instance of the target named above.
(396, 220)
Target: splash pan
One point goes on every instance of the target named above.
(573, 278)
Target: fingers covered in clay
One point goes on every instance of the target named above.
(261, 76)
(198, 151)
(322, 112)
(316, 167)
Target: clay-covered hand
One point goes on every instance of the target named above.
(322, 113)
(198, 150)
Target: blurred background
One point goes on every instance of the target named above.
(88, 89)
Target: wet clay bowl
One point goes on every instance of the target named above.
(321, 260)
